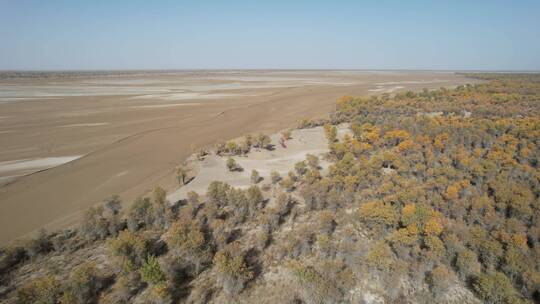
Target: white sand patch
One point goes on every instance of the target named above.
(185, 96)
(166, 105)
(122, 173)
(381, 89)
(32, 165)
(411, 82)
(9, 99)
(282, 160)
(93, 124)
(6, 179)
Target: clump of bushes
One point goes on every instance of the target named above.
(233, 273)
(46, 290)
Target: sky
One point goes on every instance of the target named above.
(143, 34)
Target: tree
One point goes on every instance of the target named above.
(182, 173)
(140, 213)
(95, 224)
(330, 132)
(162, 214)
(262, 141)
(232, 165)
(378, 213)
(255, 177)
(255, 199)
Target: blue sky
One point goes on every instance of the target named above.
(132, 34)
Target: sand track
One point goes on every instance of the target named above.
(139, 147)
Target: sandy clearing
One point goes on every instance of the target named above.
(213, 167)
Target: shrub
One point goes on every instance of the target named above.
(10, 256)
(128, 251)
(193, 198)
(187, 240)
(467, 263)
(378, 213)
(284, 204)
(160, 293)
(330, 132)
(151, 272)
(300, 168)
(182, 173)
(326, 222)
(439, 279)
(113, 208)
(232, 270)
(240, 204)
(262, 141)
(380, 256)
(255, 199)
(255, 177)
(113, 205)
(232, 165)
(315, 288)
(275, 177)
(286, 135)
(44, 290)
(84, 285)
(39, 244)
(495, 288)
(94, 225)
(217, 193)
(312, 161)
(140, 213)
(288, 184)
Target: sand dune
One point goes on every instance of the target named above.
(145, 138)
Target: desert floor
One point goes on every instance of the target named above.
(70, 142)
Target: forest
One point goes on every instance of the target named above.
(431, 197)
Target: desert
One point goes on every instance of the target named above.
(124, 133)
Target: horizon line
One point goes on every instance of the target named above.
(265, 69)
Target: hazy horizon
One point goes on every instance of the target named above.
(178, 35)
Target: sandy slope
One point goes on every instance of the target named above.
(133, 135)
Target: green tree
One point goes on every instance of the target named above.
(151, 272)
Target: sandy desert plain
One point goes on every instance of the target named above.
(70, 140)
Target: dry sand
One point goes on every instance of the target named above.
(133, 129)
(280, 159)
